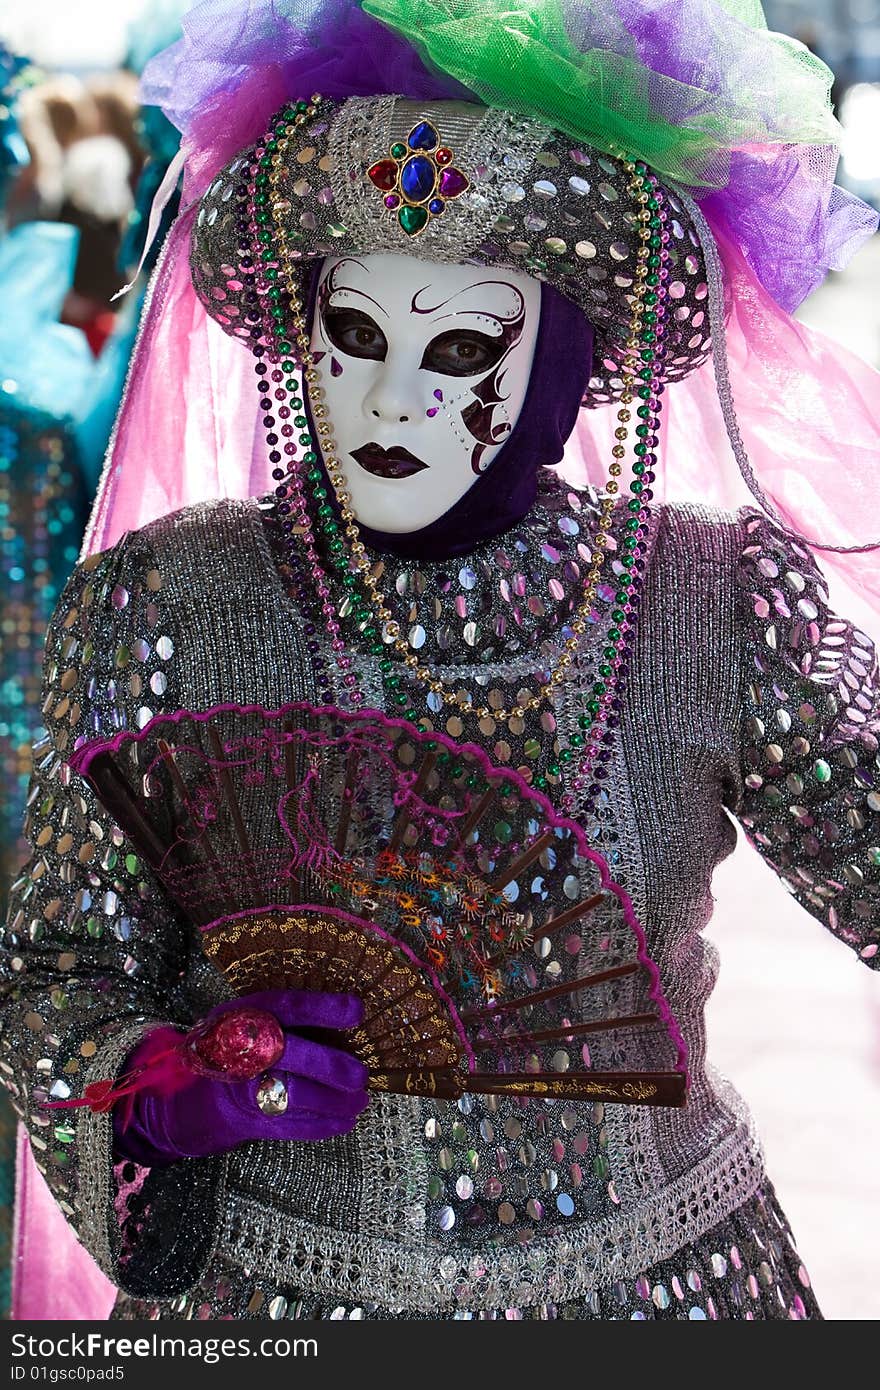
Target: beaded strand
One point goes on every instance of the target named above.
(642, 365)
(279, 385)
(643, 351)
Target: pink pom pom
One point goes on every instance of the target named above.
(239, 1044)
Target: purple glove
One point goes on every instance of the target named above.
(324, 1089)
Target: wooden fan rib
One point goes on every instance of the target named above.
(476, 815)
(554, 926)
(116, 794)
(441, 1029)
(629, 1088)
(404, 821)
(450, 1083)
(352, 764)
(513, 871)
(234, 807)
(573, 1030)
(167, 754)
(398, 999)
(601, 977)
(289, 754)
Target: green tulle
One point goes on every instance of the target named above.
(729, 82)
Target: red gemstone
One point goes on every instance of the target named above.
(384, 174)
(443, 155)
(240, 1044)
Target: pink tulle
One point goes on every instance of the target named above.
(807, 411)
(188, 426)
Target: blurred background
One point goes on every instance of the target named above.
(795, 1021)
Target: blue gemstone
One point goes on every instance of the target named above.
(423, 137)
(436, 206)
(417, 178)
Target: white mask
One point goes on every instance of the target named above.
(424, 368)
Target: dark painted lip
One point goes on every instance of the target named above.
(387, 463)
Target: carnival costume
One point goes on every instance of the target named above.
(634, 669)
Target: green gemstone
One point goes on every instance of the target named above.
(412, 220)
(822, 770)
(398, 151)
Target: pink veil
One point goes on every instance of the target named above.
(780, 417)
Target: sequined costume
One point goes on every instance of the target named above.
(746, 695)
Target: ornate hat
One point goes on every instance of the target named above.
(455, 181)
(513, 143)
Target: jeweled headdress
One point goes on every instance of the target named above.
(460, 182)
(733, 120)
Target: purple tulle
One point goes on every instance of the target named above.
(240, 60)
(779, 201)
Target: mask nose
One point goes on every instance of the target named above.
(394, 396)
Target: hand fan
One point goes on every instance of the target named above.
(317, 849)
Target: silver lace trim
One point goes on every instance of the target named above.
(318, 1259)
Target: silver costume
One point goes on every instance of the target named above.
(746, 696)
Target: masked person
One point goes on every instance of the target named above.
(436, 284)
